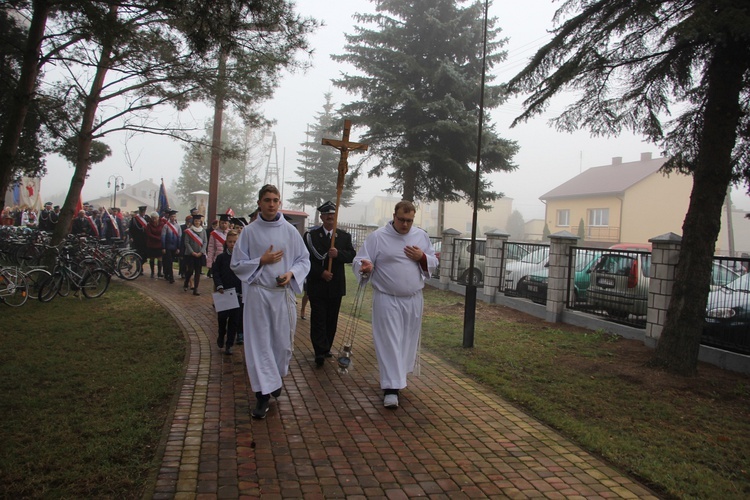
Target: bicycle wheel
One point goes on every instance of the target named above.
(64, 289)
(129, 266)
(34, 279)
(95, 283)
(13, 288)
(50, 287)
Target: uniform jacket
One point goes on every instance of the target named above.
(191, 245)
(318, 245)
(170, 240)
(223, 275)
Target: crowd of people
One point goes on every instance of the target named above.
(102, 223)
(266, 262)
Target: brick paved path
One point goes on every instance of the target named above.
(328, 435)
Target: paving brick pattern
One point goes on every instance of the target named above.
(328, 435)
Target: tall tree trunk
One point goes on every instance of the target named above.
(23, 94)
(410, 182)
(678, 347)
(213, 180)
(85, 138)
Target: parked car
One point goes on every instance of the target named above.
(620, 281)
(462, 259)
(727, 323)
(534, 286)
(529, 264)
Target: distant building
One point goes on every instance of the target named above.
(627, 202)
(145, 192)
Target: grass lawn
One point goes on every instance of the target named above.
(85, 386)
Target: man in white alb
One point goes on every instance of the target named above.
(398, 258)
(272, 261)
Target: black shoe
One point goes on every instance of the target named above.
(319, 360)
(159, 275)
(328, 354)
(184, 288)
(195, 292)
(276, 393)
(220, 342)
(261, 408)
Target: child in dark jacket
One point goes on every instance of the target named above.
(230, 320)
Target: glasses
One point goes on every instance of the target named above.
(404, 221)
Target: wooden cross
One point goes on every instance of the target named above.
(344, 146)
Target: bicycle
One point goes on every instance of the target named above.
(13, 287)
(93, 282)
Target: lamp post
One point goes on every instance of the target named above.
(470, 303)
(119, 185)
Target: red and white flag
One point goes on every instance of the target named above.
(230, 211)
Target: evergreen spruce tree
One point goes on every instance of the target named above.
(418, 76)
(516, 225)
(581, 231)
(318, 168)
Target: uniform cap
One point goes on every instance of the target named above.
(225, 217)
(197, 216)
(142, 207)
(238, 221)
(327, 208)
(48, 204)
(171, 212)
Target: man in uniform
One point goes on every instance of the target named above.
(398, 259)
(137, 232)
(54, 217)
(45, 221)
(325, 288)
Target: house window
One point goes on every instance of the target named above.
(563, 218)
(598, 217)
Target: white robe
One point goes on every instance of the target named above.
(397, 303)
(270, 315)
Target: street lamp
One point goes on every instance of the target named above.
(119, 184)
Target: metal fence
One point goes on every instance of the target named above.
(462, 258)
(523, 263)
(611, 283)
(727, 320)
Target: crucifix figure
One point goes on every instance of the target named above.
(344, 146)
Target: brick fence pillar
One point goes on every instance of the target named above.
(559, 275)
(493, 262)
(664, 254)
(446, 256)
